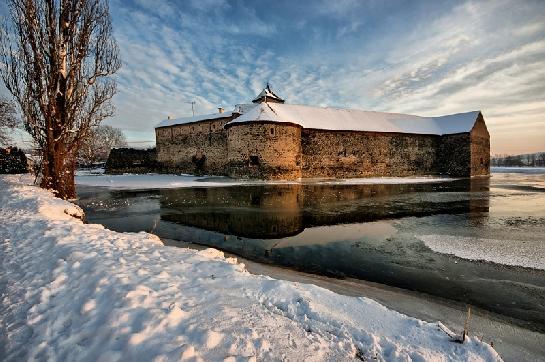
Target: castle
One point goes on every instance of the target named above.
(269, 139)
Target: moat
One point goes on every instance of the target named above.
(365, 232)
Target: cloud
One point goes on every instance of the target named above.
(209, 5)
(426, 58)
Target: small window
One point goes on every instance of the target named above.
(482, 162)
(272, 130)
(254, 160)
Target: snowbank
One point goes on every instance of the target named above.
(156, 181)
(528, 254)
(73, 291)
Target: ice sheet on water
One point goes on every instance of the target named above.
(523, 253)
(529, 170)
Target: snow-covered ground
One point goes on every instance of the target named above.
(90, 171)
(157, 181)
(528, 254)
(74, 291)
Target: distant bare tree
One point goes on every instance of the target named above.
(532, 159)
(8, 120)
(541, 159)
(58, 58)
(97, 147)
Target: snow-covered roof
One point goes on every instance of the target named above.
(184, 120)
(244, 107)
(356, 120)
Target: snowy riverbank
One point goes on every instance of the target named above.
(161, 181)
(73, 291)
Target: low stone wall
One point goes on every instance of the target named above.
(13, 160)
(131, 160)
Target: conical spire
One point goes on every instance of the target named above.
(267, 95)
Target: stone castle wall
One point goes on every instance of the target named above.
(271, 150)
(366, 154)
(453, 157)
(266, 150)
(480, 149)
(194, 148)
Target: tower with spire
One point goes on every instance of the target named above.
(267, 95)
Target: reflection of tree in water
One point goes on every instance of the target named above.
(276, 211)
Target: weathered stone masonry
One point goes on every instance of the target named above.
(270, 150)
(480, 148)
(267, 147)
(130, 160)
(366, 154)
(194, 148)
(264, 150)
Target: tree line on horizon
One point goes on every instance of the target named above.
(524, 160)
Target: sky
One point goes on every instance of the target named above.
(419, 57)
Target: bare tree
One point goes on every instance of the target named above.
(8, 120)
(59, 56)
(541, 159)
(97, 147)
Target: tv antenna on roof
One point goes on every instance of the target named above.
(192, 107)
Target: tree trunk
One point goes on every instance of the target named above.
(57, 57)
(58, 172)
(60, 163)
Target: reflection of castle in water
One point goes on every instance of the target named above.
(276, 211)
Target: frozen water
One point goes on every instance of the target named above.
(529, 254)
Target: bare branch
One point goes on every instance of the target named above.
(8, 121)
(58, 57)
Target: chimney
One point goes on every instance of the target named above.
(220, 109)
